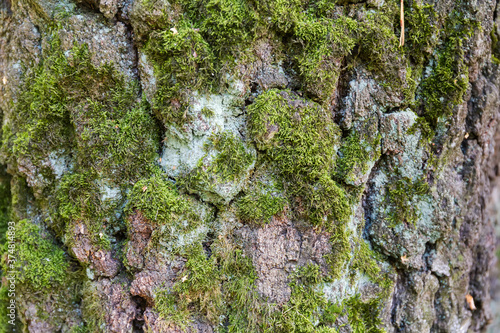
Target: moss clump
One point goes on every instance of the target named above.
(5, 203)
(183, 63)
(447, 84)
(40, 120)
(178, 220)
(40, 264)
(69, 102)
(258, 207)
(341, 250)
(157, 199)
(364, 260)
(93, 311)
(227, 25)
(115, 131)
(364, 316)
(232, 157)
(354, 157)
(379, 44)
(79, 200)
(422, 32)
(301, 139)
(220, 286)
(227, 161)
(307, 310)
(400, 199)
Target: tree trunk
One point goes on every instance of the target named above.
(249, 165)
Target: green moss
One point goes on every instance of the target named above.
(232, 158)
(226, 160)
(422, 32)
(379, 44)
(355, 154)
(364, 260)
(5, 203)
(364, 316)
(220, 286)
(258, 208)
(341, 250)
(325, 42)
(79, 201)
(226, 24)
(40, 120)
(300, 139)
(307, 310)
(157, 199)
(447, 84)
(68, 102)
(92, 310)
(178, 220)
(400, 199)
(40, 264)
(183, 63)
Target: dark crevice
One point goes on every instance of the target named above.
(6, 6)
(427, 257)
(138, 323)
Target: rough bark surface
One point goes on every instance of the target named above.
(250, 165)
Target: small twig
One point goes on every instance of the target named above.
(402, 38)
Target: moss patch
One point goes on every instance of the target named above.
(400, 200)
(220, 173)
(300, 139)
(354, 157)
(220, 287)
(40, 264)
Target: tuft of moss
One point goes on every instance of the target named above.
(183, 63)
(79, 199)
(307, 310)
(341, 250)
(157, 199)
(354, 156)
(40, 120)
(364, 316)
(227, 160)
(258, 208)
(445, 87)
(399, 198)
(40, 264)
(301, 139)
(219, 287)
(422, 31)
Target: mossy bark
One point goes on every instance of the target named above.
(249, 165)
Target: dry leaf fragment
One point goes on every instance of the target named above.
(470, 302)
(466, 135)
(404, 260)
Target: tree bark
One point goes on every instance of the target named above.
(249, 165)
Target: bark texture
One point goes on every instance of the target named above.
(250, 165)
